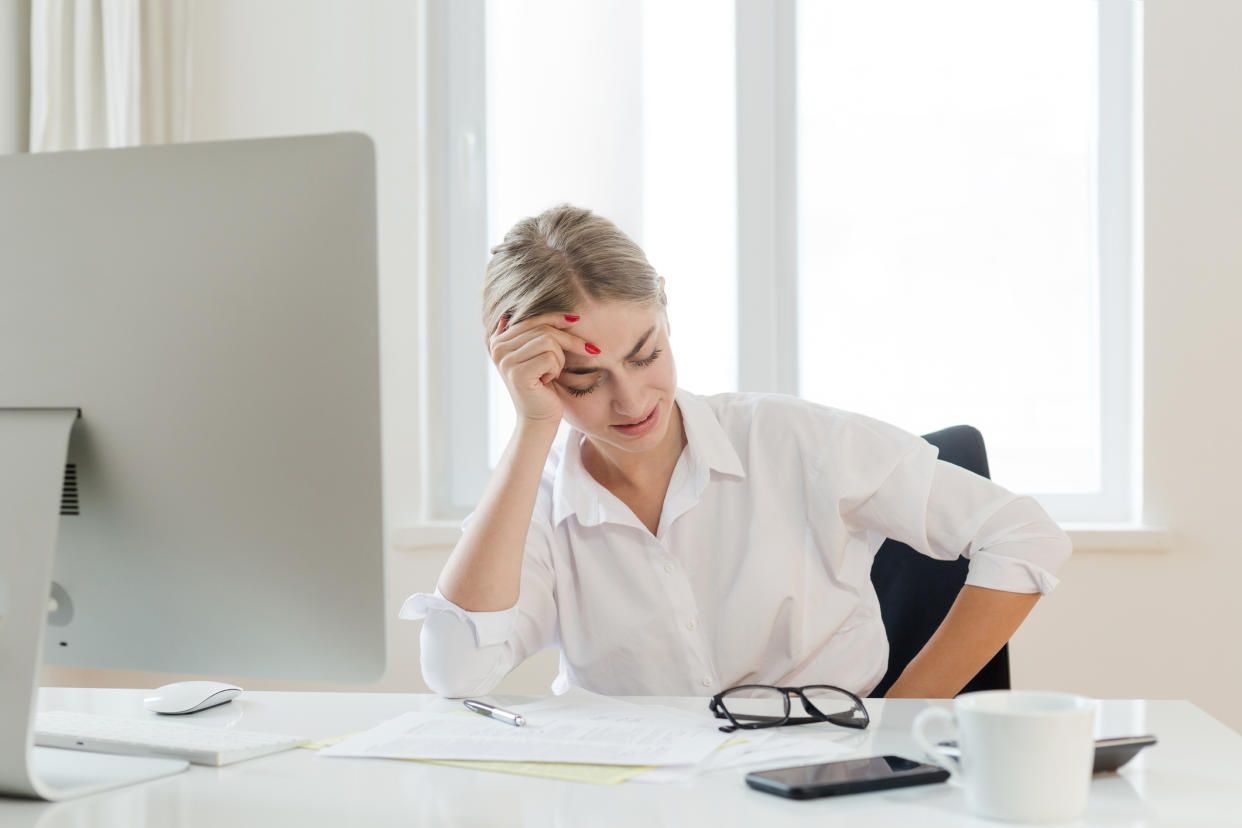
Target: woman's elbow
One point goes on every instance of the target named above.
(453, 665)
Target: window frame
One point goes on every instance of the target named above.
(454, 363)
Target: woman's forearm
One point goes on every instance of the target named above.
(978, 624)
(485, 570)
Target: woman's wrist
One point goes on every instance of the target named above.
(540, 431)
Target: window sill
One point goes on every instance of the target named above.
(1117, 537)
(433, 534)
(1092, 537)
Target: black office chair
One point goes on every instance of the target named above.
(916, 591)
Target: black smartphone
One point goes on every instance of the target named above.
(1110, 754)
(873, 773)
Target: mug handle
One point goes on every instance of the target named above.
(927, 717)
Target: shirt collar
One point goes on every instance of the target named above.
(575, 492)
(706, 441)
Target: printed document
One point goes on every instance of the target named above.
(576, 727)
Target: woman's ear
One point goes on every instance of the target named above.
(668, 328)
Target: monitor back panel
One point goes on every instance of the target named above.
(212, 310)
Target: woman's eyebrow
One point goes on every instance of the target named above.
(640, 344)
(586, 369)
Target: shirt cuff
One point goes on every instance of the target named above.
(1009, 574)
(489, 627)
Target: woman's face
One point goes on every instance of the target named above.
(624, 396)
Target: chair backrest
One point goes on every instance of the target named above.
(916, 591)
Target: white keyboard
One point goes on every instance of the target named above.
(155, 737)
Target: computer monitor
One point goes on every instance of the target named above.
(202, 321)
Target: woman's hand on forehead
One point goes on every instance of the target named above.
(530, 356)
(556, 320)
(555, 325)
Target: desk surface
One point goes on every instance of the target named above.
(1192, 777)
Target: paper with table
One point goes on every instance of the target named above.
(585, 728)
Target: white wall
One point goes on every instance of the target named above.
(1122, 624)
(1166, 625)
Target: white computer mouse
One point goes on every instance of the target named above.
(190, 696)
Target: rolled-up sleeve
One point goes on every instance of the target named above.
(467, 653)
(1012, 543)
(945, 511)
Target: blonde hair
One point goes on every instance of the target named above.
(550, 262)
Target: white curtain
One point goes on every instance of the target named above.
(108, 73)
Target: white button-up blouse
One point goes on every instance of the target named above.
(759, 571)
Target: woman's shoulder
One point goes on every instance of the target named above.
(756, 409)
(809, 427)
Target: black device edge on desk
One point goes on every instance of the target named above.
(870, 773)
(1110, 754)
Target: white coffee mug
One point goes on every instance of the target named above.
(1024, 756)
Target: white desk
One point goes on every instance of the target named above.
(1192, 777)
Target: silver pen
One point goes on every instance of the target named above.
(494, 712)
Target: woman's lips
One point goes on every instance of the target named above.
(642, 426)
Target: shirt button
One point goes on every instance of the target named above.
(690, 625)
(707, 681)
(668, 567)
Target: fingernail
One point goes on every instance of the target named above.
(591, 349)
(571, 318)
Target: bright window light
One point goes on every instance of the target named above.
(602, 105)
(947, 224)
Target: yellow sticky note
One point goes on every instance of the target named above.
(590, 774)
(325, 743)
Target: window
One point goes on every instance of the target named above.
(601, 105)
(925, 209)
(950, 238)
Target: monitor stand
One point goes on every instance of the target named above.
(34, 444)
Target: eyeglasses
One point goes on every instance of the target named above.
(752, 706)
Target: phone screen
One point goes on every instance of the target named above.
(850, 776)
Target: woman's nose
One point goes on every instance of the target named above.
(627, 398)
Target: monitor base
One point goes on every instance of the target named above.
(34, 443)
(64, 774)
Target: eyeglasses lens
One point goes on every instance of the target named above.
(756, 704)
(828, 701)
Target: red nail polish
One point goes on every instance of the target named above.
(591, 349)
(571, 318)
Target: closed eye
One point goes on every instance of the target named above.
(640, 363)
(643, 363)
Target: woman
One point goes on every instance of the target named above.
(679, 545)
